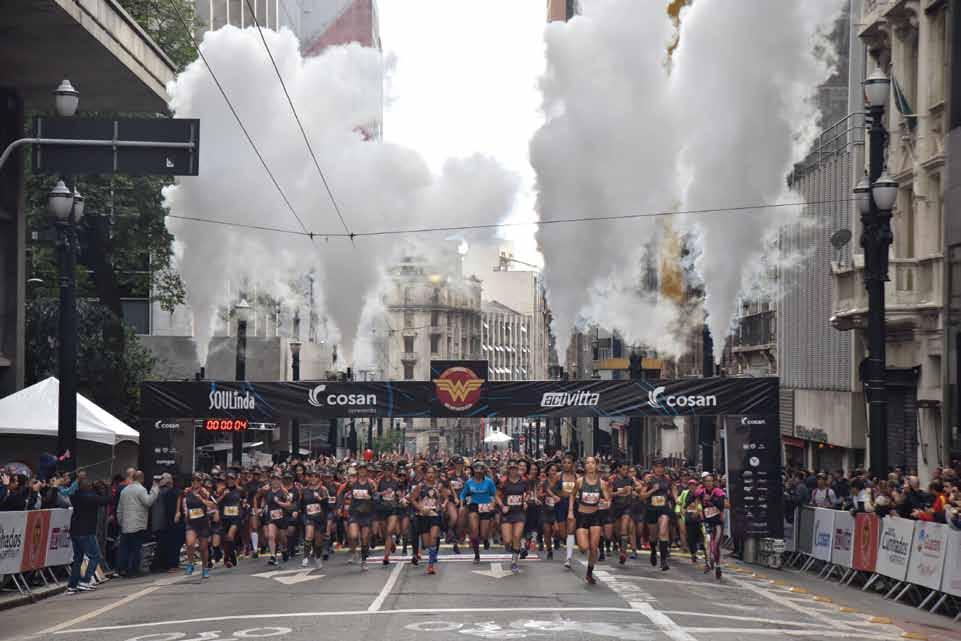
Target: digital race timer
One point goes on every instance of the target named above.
(226, 424)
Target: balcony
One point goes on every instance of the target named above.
(408, 357)
(756, 332)
(913, 295)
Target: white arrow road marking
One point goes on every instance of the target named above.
(497, 571)
(299, 576)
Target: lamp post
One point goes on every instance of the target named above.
(66, 207)
(295, 346)
(242, 310)
(875, 197)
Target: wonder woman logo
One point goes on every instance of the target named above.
(458, 388)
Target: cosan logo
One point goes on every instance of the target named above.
(655, 400)
(316, 398)
(231, 400)
(166, 425)
(581, 398)
(752, 421)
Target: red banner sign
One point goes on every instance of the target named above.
(866, 530)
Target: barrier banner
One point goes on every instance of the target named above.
(805, 530)
(951, 579)
(59, 546)
(927, 554)
(894, 548)
(790, 533)
(842, 550)
(35, 540)
(866, 532)
(823, 534)
(12, 526)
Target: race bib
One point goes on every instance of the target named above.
(231, 510)
(567, 486)
(428, 503)
(313, 508)
(658, 500)
(195, 513)
(332, 500)
(456, 484)
(276, 515)
(484, 508)
(514, 500)
(692, 509)
(711, 512)
(590, 498)
(550, 501)
(388, 495)
(361, 495)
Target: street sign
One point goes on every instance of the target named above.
(132, 146)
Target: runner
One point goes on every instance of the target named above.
(429, 498)
(277, 502)
(532, 521)
(713, 500)
(658, 496)
(589, 490)
(548, 500)
(562, 491)
(456, 511)
(604, 514)
(313, 505)
(194, 504)
(330, 484)
(361, 513)
(229, 503)
(389, 490)
(478, 494)
(512, 499)
(293, 516)
(622, 489)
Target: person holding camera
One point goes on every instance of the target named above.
(86, 501)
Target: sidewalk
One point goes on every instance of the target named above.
(12, 598)
(834, 595)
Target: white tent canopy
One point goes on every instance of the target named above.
(33, 412)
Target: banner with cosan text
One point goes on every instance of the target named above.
(894, 548)
(927, 554)
(842, 550)
(951, 579)
(866, 531)
(823, 533)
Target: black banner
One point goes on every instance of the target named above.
(754, 475)
(460, 395)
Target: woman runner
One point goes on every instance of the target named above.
(658, 496)
(512, 499)
(429, 498)
(230, 505)
(194, 504)
(562, 491)
(313, 503)
(389, 490)
(548, 500)
(589, 491)
(361, 513)
(276, 503)
(713, 500)
(478, 494)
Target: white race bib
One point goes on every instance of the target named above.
(195, 513)
(231, 510)
(590, 498)
(658, 500)
(276, 515)
(313, 508)
(550, 501)
(710, 512)
(514, 500)
(484, 508)
(361, 494)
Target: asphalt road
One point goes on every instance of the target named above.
(400, 602)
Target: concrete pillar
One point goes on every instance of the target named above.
(12, 248)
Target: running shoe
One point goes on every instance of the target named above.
(430, 568)
(487, 544)
(603, 556)
(73, 590)
(305, 562)
(717, 572)
(456, 549)
(189, 569)
(386, 561)
(272, 560)
(567, 564)
(363, 565)
(318, 564)
(515, 568)
(589, 577)
(550, 555)
(476, 559)
(352, 559)
(634, 555)
(85, 587)
(664, 565)
(415, 559)
(623, 558)
(524, 552)
(653, 558)
(205, 574)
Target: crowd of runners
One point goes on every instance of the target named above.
(369, 511)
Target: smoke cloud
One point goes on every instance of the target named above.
(626, 132)
(339, 97)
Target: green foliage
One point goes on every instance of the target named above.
(161, 22)
(94, 360)
(391, 441)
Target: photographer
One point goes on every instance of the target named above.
(20, 494)
(86, 501)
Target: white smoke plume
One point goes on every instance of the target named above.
(377, 185)
(628, 133)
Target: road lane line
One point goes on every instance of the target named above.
(772, 595)
(733, 617)
(813, 633)
(291, 615)
(663, 622)
(688, 583)
(391, 580)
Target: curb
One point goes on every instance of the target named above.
(33, 597)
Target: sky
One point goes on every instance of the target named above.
(465, 81)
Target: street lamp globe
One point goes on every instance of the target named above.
(77, 206)
(66, 99)
(243, 311)
(862, 195)
(885, 192)
(60, 200)
(877, 88)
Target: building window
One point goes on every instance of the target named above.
(434, 343)
(136, 313)
(408, 320)
(409, 344)
(408, 371)
(435, 296)
(435, 319)
(408, 296)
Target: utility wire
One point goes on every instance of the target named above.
(558, 221)
(240, 122)
(300, 125)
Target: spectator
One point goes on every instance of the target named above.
(914, 500)
(19, 493)
(166, 532)
(86, 502)
(842, 490)
(132, 510)
(861, 500)
(823, 496)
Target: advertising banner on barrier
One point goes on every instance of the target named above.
(842, 550)
(894, 548)
(35, 536)
(12, 525)
(823, 534)
(927, 554)
(59, 547)
(951, 579)
(866, 531)
(805, 530)
(790, 533)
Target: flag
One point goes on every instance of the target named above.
(901, 102)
